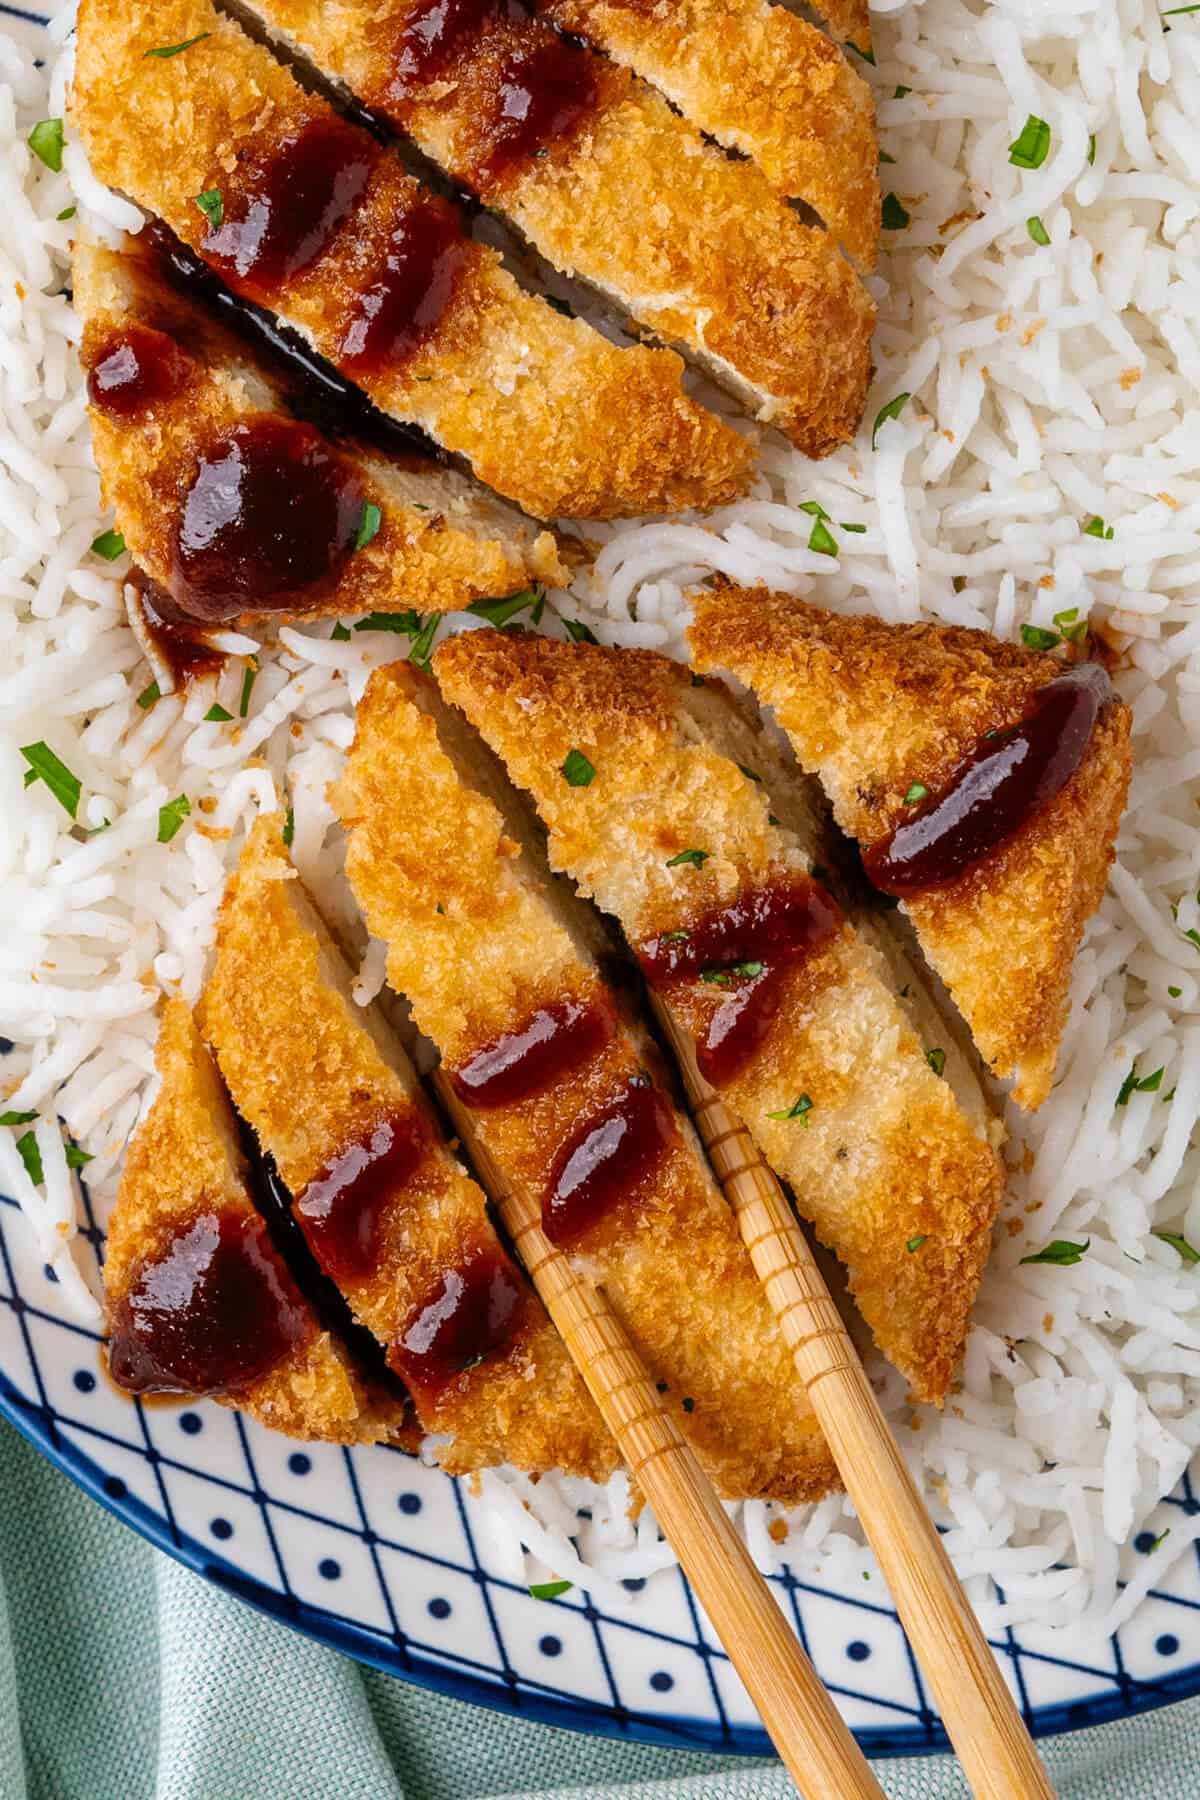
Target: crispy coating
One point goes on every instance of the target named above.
(184, 1161)
(311, 1073)
(714, 262)
(546, 410)
(886, 1155)
(871, 708)
(424, 834)
(443, 542)
(762, 81)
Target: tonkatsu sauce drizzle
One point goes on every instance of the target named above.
(177, 641)
(411, 293)
(433, 34)
(1007, 778)
(341, 1211)
(743, 952)
(546, 89)
(135, 369)
(214, 1312)
(554, 1042)
(604, 1158)
(476, 1309)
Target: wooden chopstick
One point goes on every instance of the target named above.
(810, 1734)
(981, 1718)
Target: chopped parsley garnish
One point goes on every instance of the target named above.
(216, 715)
(1148, 1084)
(813, 508)
(46, 142)
(499, 612)
(892, 215)
(698, 857)
(868, 56)
(914, 1243)
(339, 634)
(109, 545)
(900, 92)
(289, 828)
(1162, 1537)
(724, 977)
(579, 633)
(577, 771)
(560, 306)
(1062, 1253)
(749, 773)
(550, 1590)
(1178, 1243)
(68, 212)
(848, 525)
(1037, 637)
(688, 1404)
(248, 680)
(892, 410)
(936, 1060)
(370, 519)
(148, 696)
(31, 1156)
(1037, 230)
(165, 50)
(1174, 992)
(17, 1118)
(799, 1109)
(77, 1158)
(1096, 528)
(885, 156)
(916, 792)
(422, 644)
(1091, 149)
(406, 623)
(171, 817)
(771, 819)
(1030, 149)
(45, 766)
(822, 539)
(1071, 625)
(212, 206)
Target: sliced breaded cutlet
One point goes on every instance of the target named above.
(764, 82)
(793, 1012)
(437, 538)
(611, 185)
(564, 1087)
(387, 1210)
(199, 1301)
(307, 214)
(890, 717)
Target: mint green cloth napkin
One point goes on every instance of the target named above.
(125, 1677)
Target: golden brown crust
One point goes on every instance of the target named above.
(762, 81)
(423, 836)
(184, 1160)
(872, 708)
(716, 263)
(887, 1155)
(544, 408)
(309, 1075)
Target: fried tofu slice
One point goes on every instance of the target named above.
(764, 82)
(441, 541)
(390, 1213)
(872, 709)
(498, 965)
(611, 185)
(325, 227)
(894, 1172)
(186, 1223)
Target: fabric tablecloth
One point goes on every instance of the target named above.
(125, 1677)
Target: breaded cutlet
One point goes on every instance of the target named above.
(761, 81)
(184, 1189)
(872, 709)
(895, 1173)
(379, 276)
(489, 952)
(613, 186)
(441, 541)
(319, 1079)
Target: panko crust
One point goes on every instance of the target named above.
(760, 80)
(422, 835)
(544, 408)
(442, 542)
(185, 1160)
(308, 1073)
(871, 708)
(887, 1155)
(714, 261)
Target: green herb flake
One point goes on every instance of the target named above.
(849, 525)
(1091, 149)
(422, 644)
(212, 206)
(1178, 1243)
(339, 634)
(77, 1158)
(31, 1156)
(1096, 528)
(900, 92)
(814, 509)
(916, 792)
(885, 156)
(771, 819)
(892, 410)
(499, 612)
(1037, 231)
(577, 771)
(1062, 1253)
(1162, 1537)
(370, 519)
(749, 773)
(406, 623)
(216, 715)
(17, 1118)
(799, 1109)
(45, 766)
(892, 214)
(696, 857)
(1071, 625)
(249, 677)
(289, 828)
(868, 56)
(688, 1404)
(936, 1060)
(109, 545)
(171, 817)
(822, 539)
(1030, 149)
(68, 212)
(550, 1590)
(166, 50)
(1037, 637)
(1174, 992)
(148, 696)
(46, 142)
(579, 633)
(914, 1243)
(1147, 1084)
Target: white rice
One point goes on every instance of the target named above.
(1050, 384)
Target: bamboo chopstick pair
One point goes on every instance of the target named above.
(994, 1748)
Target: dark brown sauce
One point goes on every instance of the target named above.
(216, 1311)
(434, 32)
(743, 951)
(476, 1309)
(341, 1211)
(547, 88)
(604, 1158)
(177, 641)
(995, 790)
(411, 293)
(284, 208)
(135, 369)
(556, 1040)
(270, 518)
